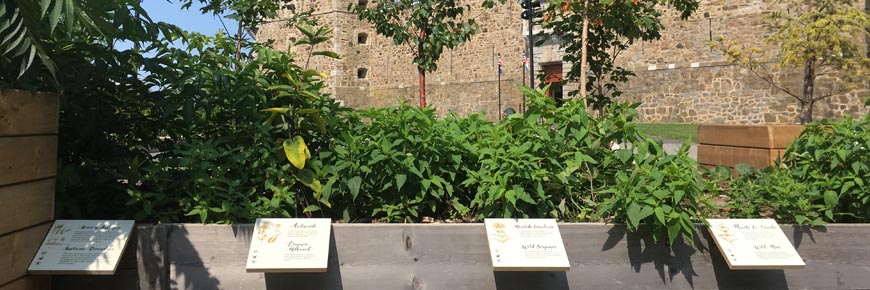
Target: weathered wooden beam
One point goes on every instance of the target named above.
(730, 156)
(17, 249)
(26, 204)
(758, 136)
(401, 256)
(29, 283)
(27, 158)
(151, 257)
(24, 113)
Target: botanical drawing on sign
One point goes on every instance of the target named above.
(500, 235)
(270, 234)
(725, 234)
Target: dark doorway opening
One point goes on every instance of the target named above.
(553, 77)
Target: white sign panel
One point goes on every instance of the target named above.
(289, 245)
(526, 245)
(82, 247)
(754, 244)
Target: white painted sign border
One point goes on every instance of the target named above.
(513, 241)
(82, 247)
(738, 239)
(289, 245)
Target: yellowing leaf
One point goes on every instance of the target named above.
(277, 110)
(309, 179)
(296, 151)
(314, 73)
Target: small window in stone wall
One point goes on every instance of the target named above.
(363, 2)
(362, 38)
(362, 73)
(292, 40)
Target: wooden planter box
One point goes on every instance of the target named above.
(28, 156)
(444, 256)
(756, 145)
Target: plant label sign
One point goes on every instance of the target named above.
(526, 245)
(751, 244)
(289, 245)
(82, 247)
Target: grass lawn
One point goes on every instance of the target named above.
(682, 132)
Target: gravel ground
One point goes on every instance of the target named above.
(672, 146)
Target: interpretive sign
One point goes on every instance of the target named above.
(91, 247)
(749, 244)
(526, 245)
(289, 245)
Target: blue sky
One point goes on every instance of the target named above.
(191, 20)
(188, 19)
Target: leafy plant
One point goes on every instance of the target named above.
(834, 157)
(822, 177)
(656, 190)
(33, 31)
(400, 165)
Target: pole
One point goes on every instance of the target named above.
(499, 86)
(585, 42)
(531, 48)
(523, 68)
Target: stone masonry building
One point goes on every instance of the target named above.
(679, 77)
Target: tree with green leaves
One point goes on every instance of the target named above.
(824, 38)
(250, 14)
(425, 27)
(613, 25)
(34, 33)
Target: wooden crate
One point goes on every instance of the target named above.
(28, 165)
(757, 145)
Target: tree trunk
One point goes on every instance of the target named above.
(584, 52)
(422, 87)
(807, 100)
(239, 42)
(807, 112)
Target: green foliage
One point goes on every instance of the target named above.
(189, 140)
(226, 163)
(822, 177)
(834, 156)
(820, 37)
(614, 26)
(774, 193)
(403, 164)
(38, 32)
(425, 27)
(657, 190)
(399, 165)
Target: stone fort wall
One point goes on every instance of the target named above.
(679, 78)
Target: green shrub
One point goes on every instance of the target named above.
(403, 164)
(222, 159)
(833, 158)
(822, 177)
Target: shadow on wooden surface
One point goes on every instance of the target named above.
(668, 262)
(522, 280)
(331, 279)
(190, 271)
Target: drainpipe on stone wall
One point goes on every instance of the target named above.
(867, 38)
